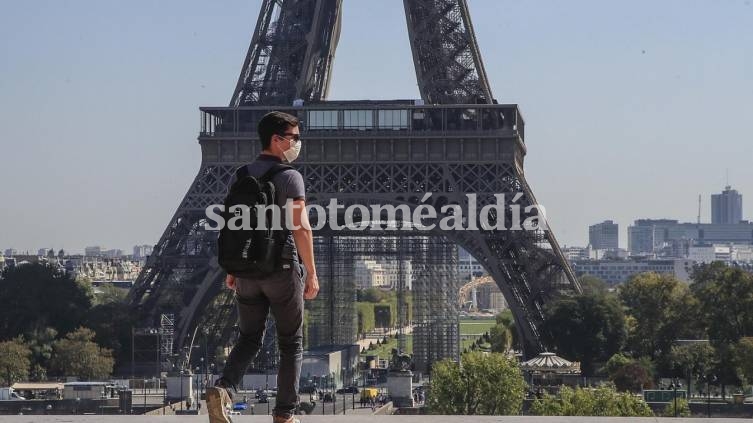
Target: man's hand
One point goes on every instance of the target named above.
(230, 282)
(312, 287)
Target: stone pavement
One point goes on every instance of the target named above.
(355, 419)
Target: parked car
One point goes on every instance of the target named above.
(348, 390)
(309, 389)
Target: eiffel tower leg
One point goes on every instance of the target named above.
(182, 277)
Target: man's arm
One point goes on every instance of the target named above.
(304, 243)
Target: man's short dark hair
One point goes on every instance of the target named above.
(275, 123)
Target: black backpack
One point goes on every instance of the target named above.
(255, 252)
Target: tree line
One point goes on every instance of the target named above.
(656, 325)
(52, 325)
(652, 326)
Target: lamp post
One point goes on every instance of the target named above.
(198, 389)
(673, 387)
(319, 385)
(266, 378)
(200, 371)
(342, 377)
(181, 389)
(708, 379)
(334, 397)
(144, 386)
(708, 397)
(205, 360)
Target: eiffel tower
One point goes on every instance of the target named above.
(454, 141)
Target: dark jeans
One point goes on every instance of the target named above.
(282, 293)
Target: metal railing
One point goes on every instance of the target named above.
(377, 119)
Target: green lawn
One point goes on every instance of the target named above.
(385, 350)
(472, 327)
(467, 327)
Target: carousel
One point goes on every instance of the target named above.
(549, 371)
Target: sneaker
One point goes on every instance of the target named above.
(218, 405)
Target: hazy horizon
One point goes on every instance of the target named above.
(632, 110)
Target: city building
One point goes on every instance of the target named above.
(94, 251)
(141, 252)
(727, 207)
(615, 272)
(489, 297)
(332, 364)
(729, 254)
(114, 253)
(604, 235)
(368, 274)
(373, 273)
(667, 236)
(468, 266)
(10, 252)
(102, 269)
(577, 253)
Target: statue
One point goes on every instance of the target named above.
(400, 362)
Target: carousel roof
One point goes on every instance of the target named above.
(550, 362)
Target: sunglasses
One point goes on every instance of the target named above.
(295, 137)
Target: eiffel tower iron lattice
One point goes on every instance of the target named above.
(456, 141)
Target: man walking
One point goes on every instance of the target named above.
(283, 291)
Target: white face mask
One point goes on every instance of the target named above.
(292, 153)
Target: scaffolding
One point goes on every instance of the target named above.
(167, 335)
(433, 270)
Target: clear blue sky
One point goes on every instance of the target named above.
(632, 108)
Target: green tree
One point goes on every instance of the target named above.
(663, 310)
(628, 374)
(725, 295)
(78, 355)
(112, 323)
(603, 401)
(15, 361)
(633, 377)
(683, 408)
(616, 362)
(36, 296)
(365, 317)
(373, 295)
(481, 384)
(587, 328)
(40, 344)
(691, 361)
(591, 285)
(503, 335)
(744, 359)
(110, 294)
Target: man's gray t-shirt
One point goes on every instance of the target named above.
(288, 185)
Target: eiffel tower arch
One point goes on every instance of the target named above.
(455, 140)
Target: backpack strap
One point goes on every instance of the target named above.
(274, 170)
(241, 172)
